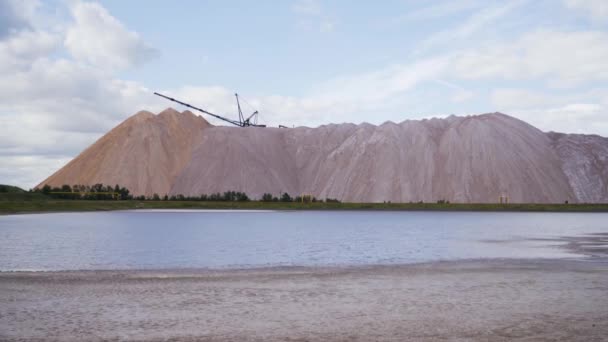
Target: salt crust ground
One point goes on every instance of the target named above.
(492, 300)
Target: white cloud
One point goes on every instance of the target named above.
(27, 170)
(438, 10)
(53, 107)
(21, 48)
(379, 84)
(459, 94)
(475, 23)
(584, 118)
(9, 21)
(342, 99)
(326, 26)
(596, 9)
(510, 98)
(308, 7)
(101, 40)
(54, 110)
(563, 58)
(312, 16)
(575, 112)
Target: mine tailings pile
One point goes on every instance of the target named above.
(480, 158)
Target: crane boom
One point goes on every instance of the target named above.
(238, 105)
(237, 123)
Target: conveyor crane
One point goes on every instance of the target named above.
(250, 121)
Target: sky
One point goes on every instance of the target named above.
(71, 70)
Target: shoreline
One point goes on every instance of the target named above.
(574, 261)
(54, 206)
(498, 300)
(580, 263)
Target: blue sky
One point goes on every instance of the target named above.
(289, 48)
(71, 70)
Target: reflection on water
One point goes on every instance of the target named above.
(219, 239)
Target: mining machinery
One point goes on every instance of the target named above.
(250, 121)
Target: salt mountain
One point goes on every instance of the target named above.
(460, 159)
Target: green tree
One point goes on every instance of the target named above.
(228, 196)
(124, 193)
(242, 197)
(66, 192)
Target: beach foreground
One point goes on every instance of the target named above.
(499, 300)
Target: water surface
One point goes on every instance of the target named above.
(220, 239)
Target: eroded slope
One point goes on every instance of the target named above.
(145, 153)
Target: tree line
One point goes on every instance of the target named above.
(117, 192)
(87, 192)
(285, 197)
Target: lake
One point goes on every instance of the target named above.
(243, 239)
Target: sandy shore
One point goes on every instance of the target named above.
(530, 300)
